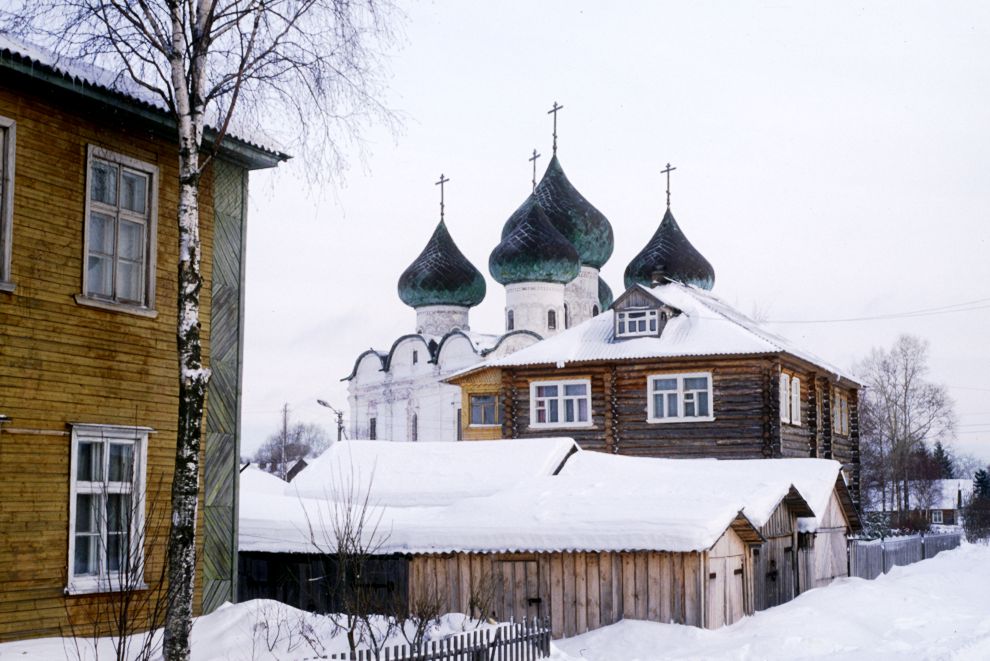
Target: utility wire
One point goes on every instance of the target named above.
(968, 306)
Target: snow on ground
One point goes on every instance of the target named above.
(936, 609)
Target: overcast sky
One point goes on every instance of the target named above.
(832, 163)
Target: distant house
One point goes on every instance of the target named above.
(673, 371)
(582, 538)
(295, 469)
(940, 502)
(89, 386)
(953, 496)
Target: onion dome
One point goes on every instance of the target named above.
(605, 297)
(669, 252)
(441, 275)
(532, 250)
(582, 224)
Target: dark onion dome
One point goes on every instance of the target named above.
(582, 224)
(605, 297)
(532, 250)
(441, 275)
(669, 252)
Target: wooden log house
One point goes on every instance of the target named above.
(88, 362)
(672, 371)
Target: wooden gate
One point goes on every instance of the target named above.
(519, 590)
(774, 572)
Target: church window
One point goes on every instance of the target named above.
(637, 323)
(106, 508)
(6, 198)
(510, 321)
(372, 429)
(414, 428)
(551, 320)
(560, 403)
(567, 316)
(595, 311)
(679, 397)
(415, 356)
(484, 410)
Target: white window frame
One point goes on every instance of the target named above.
(790, 398)
(147, 306)
(561, 398)
(681, 394)
(937, 517)
(471, 422)
(651, 316)
(840, 412)
(8, 140)
(106, 434)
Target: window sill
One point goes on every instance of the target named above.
(8, 287)
(667, 421)
(562, 425)
(495, 426)
(97, 587)
(110, 306)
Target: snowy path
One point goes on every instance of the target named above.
(937, 609)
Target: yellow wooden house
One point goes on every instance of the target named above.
(88, 363)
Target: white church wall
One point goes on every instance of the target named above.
(530, 303)
(581, 296)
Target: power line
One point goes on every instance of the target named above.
(968, 306)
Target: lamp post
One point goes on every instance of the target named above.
(340, 418)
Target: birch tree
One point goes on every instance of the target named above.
(901, 412)
(308, 67)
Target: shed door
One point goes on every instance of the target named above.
(724, 598)
(520, 590)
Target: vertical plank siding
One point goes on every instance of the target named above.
(579, 591)
(63, 362)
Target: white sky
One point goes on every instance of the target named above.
(832, 163)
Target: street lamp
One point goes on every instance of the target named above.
(340, 418)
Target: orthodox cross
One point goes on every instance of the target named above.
(667, 172)
(440, 183)
(533, 159)
(553, 111)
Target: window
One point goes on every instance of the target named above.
(121, 212)
(510, 320)
(636, 323)
(594, 311)
(372, 429)
(840, 413)
(567, 316)
(936, 516)
(415, 356)
(484, 410)
(552, 320)
(7, 131)
(106, 508)
(560, 403)
(414, 428)
(679, 397)
(790, 399)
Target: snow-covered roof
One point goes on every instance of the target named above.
(256, 481)
(707, 326)
(426, 474)
(502, 496)
(82, 75)
(951, 489)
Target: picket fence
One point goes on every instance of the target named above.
(870, 558)
(527, 641)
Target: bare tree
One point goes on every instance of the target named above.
(211, 64)
(900, 413)
(289, 444)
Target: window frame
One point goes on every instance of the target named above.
(840, 412)
(496, 417)
(790, 398)
(107, 434)
(147, 306)
(680, 377)
(561, 408)
(8, 150)
(651, 316)
(937, 514)
(551, 320)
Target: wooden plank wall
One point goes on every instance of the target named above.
(222, 438)
(62, 362)
(577, 591)
(774, 562)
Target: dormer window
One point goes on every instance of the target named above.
(638, 323)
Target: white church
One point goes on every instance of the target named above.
(552, 249)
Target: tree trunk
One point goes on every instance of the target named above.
(192, 393)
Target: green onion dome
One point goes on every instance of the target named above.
(582, 224)
(669, 252)
(605, 297)
(441, 275)
(532, 250)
